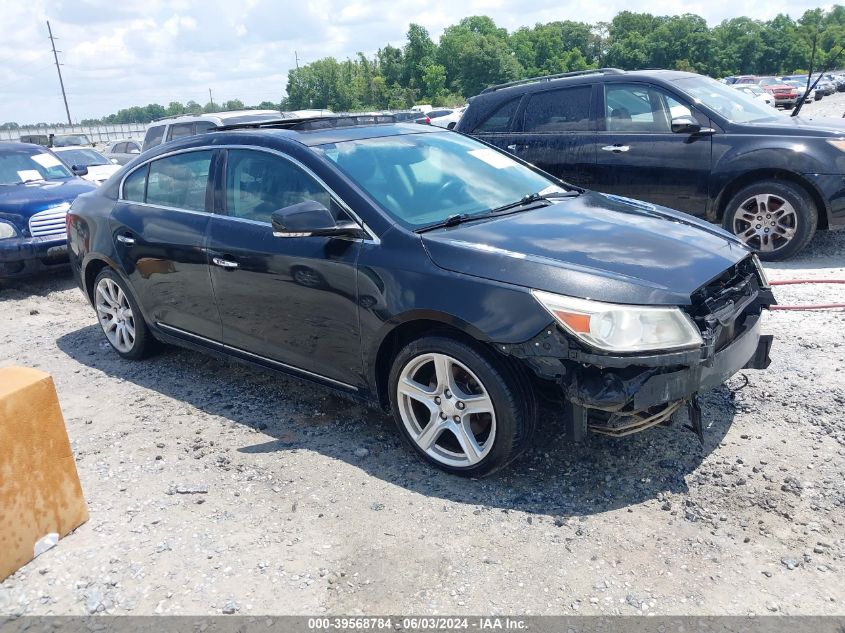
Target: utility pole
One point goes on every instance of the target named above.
(296, 57)
(59, 70)
(210, 99)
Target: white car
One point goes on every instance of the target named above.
(99, 167)
(449, 121)
(755, 91)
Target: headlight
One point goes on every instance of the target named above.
(613, 327)
(7, 230)
(838, 143)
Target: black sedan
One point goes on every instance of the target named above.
(424, 272)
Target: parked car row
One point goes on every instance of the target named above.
(779, 86)
(453, 278)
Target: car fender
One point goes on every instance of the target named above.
(737, 165)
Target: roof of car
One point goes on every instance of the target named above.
(547, 81)
(14, 145)
(220, 116)
(312, 138)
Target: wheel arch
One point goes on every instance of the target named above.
(757, 175)
(91, 269)
(411, 326)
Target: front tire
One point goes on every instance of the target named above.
(120, 318)
(461, 409)
(775, 218)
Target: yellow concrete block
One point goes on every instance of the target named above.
(40, 494)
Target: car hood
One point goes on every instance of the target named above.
(20, 202)
(101, 173)
(803, 125)
(595, 246)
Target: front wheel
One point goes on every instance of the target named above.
(775, 218)
(460, 409)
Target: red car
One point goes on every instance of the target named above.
(785, 96)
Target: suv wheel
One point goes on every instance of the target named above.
(777, 219)
(460, 410)
(120, 317)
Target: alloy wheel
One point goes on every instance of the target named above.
(446, 410)
(765, 222)
(115, 315)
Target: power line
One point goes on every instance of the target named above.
(59, 70)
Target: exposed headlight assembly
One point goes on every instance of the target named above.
(613, 327)
(7, 230)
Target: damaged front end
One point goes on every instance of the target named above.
(622, 394)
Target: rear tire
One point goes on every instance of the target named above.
(461, 409)
(775, 218)
(120, 318)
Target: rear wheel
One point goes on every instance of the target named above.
(120, 317)
(775, 218)
(460, 409)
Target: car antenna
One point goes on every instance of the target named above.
(831, 62)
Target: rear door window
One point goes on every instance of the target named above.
(180, 130)
(120, 148)
(203, 126)
(135, 185)
(179, 181)
(500, 121)
(154, 136)
(566, 110)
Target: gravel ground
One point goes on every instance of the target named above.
(214, 488)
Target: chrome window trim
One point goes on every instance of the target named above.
(374, 239)
(264, 358)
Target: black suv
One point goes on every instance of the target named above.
(677, 139)
(423, 271)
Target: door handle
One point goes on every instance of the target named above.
(224, 263)
(516, 148)
(616, 149)
(125, 239)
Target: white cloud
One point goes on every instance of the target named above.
(134, 52)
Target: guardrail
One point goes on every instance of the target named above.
(97, 133)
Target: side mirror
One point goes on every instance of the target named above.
(114, 161)
(79, 170)
(311, 219)
(685, 125)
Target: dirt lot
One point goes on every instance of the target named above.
(313, 505)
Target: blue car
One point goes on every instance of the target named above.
(36, 190)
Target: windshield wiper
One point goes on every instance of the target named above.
(525, 202)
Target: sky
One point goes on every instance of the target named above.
(121, 53)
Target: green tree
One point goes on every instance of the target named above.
(418, 53)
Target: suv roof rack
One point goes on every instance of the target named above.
(575, 73)
(311, 123)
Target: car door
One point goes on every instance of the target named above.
(557, 133)
(639, 156)
(288, 300)
(160, 224)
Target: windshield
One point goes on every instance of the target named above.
(70, 140)
(422, 179)
(732, 104)
(83, 157)
(24, 165)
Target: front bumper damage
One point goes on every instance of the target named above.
(624, 394)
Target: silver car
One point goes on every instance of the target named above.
(123, 151)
